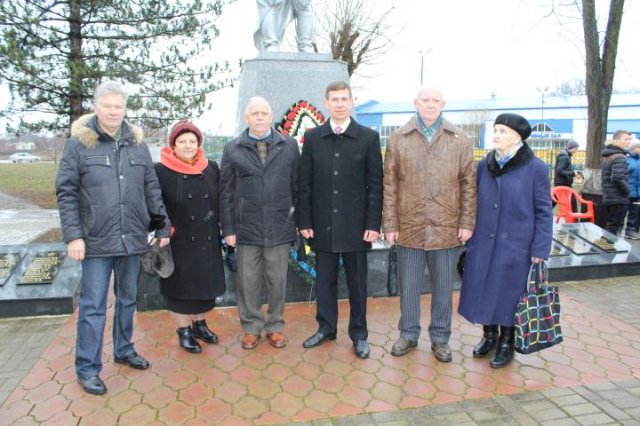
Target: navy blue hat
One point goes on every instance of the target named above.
(515, 122)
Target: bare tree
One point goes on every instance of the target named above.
(600, 69)
(355, 32)
(575, 87)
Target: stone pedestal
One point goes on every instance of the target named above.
(38, 279)
(284, 78)
(300, 284)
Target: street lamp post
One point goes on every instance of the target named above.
(423, 53)
(542, 92)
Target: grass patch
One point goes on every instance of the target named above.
(34, 183)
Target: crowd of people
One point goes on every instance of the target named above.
(428, 197)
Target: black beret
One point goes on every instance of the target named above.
(516, 122)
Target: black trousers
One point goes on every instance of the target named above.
(355, 264)
(615, 217)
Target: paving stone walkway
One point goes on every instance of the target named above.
(592, 378)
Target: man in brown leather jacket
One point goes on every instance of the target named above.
(429, 210)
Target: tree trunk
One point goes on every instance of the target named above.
(76, 64)
(599, 83)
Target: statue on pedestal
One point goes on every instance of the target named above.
(273, 18)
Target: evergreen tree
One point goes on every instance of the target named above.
(53, 53)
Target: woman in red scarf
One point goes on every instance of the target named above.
(190, 192)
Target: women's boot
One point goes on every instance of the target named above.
(186, 340)
(201, 331)
(505, 351)
(488, 342)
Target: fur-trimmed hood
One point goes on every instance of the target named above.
(85, 129)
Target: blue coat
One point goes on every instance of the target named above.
(633, 165)
(514, 222)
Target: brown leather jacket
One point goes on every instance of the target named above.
(429, 188)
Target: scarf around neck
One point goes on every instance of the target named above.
(169, 159)
(429, 131)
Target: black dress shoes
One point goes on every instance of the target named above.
(134, 361)
(361, 349)
(318, 339)
(93, 385)
(488, 343)
(202, 332)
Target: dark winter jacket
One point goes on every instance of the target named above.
(615, 176)
(514, 223)
(192, 205)
(340, 186)
(564, 173)
(633, 166)
(108, 192)
(257, 202)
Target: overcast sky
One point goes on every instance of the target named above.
(471, 49)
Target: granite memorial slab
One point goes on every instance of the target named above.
(593, 253)
(39, 279)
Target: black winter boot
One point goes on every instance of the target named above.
(488, 342)
(186, 340)
(201, 331)
(505, 351)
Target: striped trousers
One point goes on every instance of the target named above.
(411, 273)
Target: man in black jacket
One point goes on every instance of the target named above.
(257, 214)
(615, 181)
(340, 208)
(108, 196)
(564, 173)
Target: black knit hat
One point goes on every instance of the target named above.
(572, 144)
(516, 122)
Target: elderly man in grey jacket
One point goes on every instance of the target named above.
(109, 198)
(258, 194)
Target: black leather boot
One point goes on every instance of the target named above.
(488, 342)
(201, 331)
(505, 351)
(186, 340)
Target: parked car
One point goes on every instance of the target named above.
(24, 157)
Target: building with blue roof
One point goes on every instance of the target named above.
(555, 119)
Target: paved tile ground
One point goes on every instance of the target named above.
(592, 378)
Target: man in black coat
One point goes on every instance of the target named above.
(563, 173)
(615, 181)
(257, 213)
(340, 208)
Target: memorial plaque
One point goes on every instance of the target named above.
(8, 263)
(597, 238)
(574, 243)
(559, 250)
(43, 268)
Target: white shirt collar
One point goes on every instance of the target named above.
(343, 126)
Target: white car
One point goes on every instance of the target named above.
(24, 157)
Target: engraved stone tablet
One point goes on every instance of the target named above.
(43, 268)
(596, 237)
(574, 243)
(559, 250)
(8, 263)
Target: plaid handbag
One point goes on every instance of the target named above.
(537, 318)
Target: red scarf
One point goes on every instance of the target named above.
(194, 167)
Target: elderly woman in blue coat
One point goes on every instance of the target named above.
(514, 223)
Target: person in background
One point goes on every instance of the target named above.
(563, 172)
(633, 167)
(615, 181)
(190, 191)
(109, 197)
(340, 209)
(259, 193)
(514, 227)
